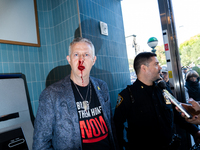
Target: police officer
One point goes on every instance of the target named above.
(149, 116)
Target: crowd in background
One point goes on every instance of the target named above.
(192, 90)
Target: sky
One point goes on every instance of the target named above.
(141, 18)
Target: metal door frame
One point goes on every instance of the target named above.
(173, 60)
(174, 63)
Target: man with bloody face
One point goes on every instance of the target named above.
(75, 112)
(81, 59)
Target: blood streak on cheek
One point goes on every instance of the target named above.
(81, 68)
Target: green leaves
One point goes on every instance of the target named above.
(190, 51)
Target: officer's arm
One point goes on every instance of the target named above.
(120, 117)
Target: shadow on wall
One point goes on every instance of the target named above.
(60, 72)
(57, 74)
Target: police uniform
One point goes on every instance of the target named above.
(150, 118)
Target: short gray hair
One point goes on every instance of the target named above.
(80, 39)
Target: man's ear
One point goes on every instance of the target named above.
(94, 60)
(68, 59)
(143, 68)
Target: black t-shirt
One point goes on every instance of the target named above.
(94, 131)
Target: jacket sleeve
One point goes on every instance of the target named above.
(105, 90)
(42, 138)
(186, 94)
(114, 131)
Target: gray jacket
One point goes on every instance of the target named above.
(57, 125)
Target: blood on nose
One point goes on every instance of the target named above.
(80, 66)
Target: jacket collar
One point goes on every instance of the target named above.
(96, 85)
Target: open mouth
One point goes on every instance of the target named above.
(81, 68)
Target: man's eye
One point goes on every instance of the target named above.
(75, 54)
(86, 54)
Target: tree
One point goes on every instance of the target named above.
(186, 55)
(190, 51)
(130, 62)
(160, 52)
(195, 53)
(197, 69)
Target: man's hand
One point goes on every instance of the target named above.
(196, 118)
(195, 104)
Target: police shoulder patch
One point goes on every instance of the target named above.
(119, 100)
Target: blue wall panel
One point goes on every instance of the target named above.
(112, 62)
(58, 24)
(37, 63)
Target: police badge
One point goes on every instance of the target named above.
(119, 100)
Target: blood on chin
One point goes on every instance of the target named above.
(81, 68)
